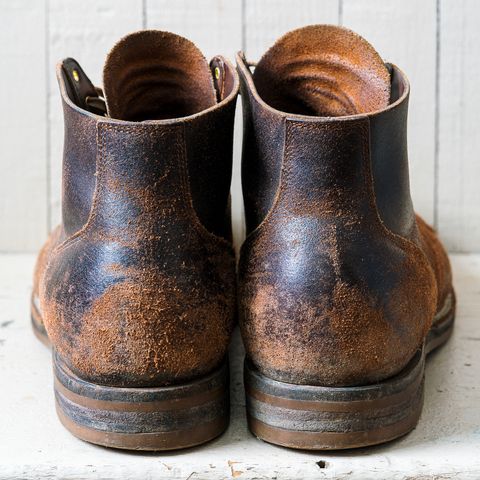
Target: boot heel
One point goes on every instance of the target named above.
(324, 418)
(163, 418)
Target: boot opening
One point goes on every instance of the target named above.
(153, 75)
(323, 70)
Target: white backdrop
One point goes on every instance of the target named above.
(434, 41)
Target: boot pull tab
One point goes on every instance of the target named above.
(217, 67)
(81, 90)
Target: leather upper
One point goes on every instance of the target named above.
(337, 284)
(137, 287)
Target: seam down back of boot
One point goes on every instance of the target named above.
(138, 292)
(336, 295)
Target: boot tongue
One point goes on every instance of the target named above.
(152, 75)
(323, 70)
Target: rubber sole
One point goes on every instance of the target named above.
(295, 416)
(156, 419)
(333, 418)
(164, 418)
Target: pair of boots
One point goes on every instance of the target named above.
(342, 289)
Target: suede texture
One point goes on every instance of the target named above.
(321, 70)
(137, 286)
(153, 75)
(439, 261)
(338, 281)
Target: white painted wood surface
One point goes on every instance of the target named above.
(34, 445)
(434, 41)
(23, 126)
(406, 35)
(86, 31)
(267, 20)
(215, 26)
(459, 122)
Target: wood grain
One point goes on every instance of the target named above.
(23, 147)
(35, 445)
(215, 26)
(459, 123)
(267, 20)
(433, 41)
(85, 31)
(405, 34)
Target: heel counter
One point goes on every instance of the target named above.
(329, 296)
(143, 294)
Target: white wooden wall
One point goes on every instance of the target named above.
(434, 41)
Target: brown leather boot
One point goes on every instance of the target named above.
(136, 288)
(343, 290)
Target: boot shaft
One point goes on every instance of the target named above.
(332, 260)
(140, 288)
(382, 136)
(197, 149)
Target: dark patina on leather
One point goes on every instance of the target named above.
(339, 281)
(137, 286)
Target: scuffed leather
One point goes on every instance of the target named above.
(209, 149)
(79, 164)
(39, 271)
(263, 138)
(262, 152)
(389, 157)
(143, 292)
(337, 284)
(324, 287)
(438, 259)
